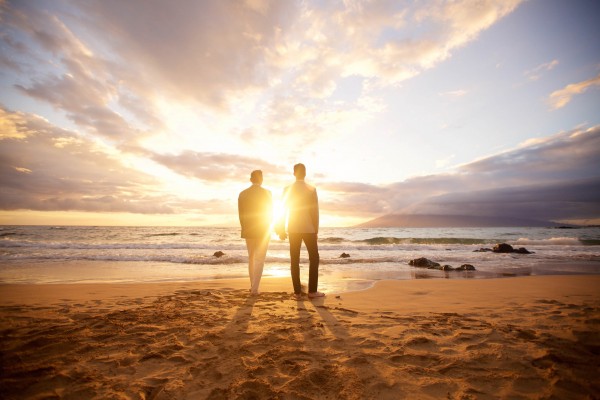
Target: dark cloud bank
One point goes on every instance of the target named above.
(545, 181)
(537, 205)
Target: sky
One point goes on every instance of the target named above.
(155, 113)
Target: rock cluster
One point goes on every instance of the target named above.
(425, 263)
(505, 248)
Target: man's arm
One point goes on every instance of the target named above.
(241, 211)
(314, 214)
(270, 205)
(280, 219)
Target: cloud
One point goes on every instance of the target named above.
(43, 167)
(368, 200)
(369, 39)
(459, 23)
(562, 97)
(565, 155)
(353, 199)
(454, 93)
(535, 73)
(101, 64)
(208, 50)
(444, 162)
(364, 205)
(579, 199)
(325, 44)
(214, 166)
(57, 67)
(197, 50)
(84, 102)
(352, 187)
(202, 208)
(296, 123)
(47, 168)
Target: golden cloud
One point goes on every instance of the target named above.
(562, 97)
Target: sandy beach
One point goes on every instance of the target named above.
(514, 338)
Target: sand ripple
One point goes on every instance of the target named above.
(222, 344)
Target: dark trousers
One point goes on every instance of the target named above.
(310, 241)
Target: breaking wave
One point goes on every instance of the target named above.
(554, 241)
(382, 240)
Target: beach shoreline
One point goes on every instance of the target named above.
(522, 337)
(38, 293)
(332, 278)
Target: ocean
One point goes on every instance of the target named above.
(93, 254)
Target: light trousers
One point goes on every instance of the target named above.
(257, 252)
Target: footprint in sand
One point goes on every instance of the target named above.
(421, 342)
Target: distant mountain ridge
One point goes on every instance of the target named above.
(450, 221)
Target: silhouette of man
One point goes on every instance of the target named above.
(255, 205)
(301, 207)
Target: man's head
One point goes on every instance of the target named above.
(299, 171)
(256, 177)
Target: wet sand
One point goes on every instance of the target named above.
(518, 338)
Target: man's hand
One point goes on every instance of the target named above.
(283, 236)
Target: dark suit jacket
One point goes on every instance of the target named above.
(255, 207)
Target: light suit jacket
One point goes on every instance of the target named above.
(255, 208)
(302, 208)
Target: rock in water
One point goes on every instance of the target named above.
(423, 263)
(503, 248)
(507, 248)
(344, 255)
(522, 250)
(218, 254)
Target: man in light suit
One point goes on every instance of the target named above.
(255, 208)
(301, 206)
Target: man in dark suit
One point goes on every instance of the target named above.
(255, 207)
(301, 206)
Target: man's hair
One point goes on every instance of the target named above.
(299, 170)
(256, 176)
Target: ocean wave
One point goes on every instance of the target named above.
(383, 240)
(332, 240)
(6, 234)
(201, 259)
(590, 242)
(330, 244)
(466, 241)
(373, 260)
(117, 246)
(153, 258)
(554, 241)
